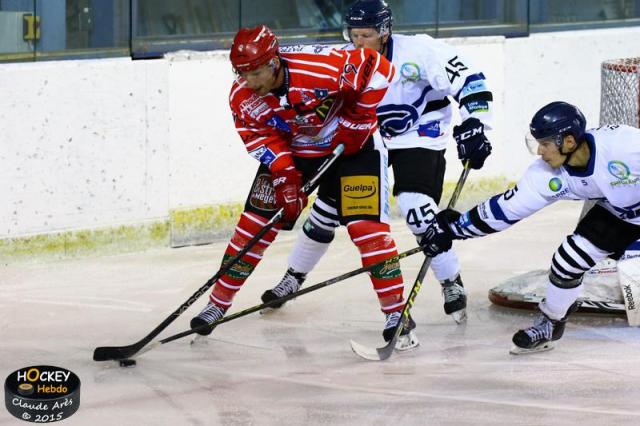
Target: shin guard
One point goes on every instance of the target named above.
(228, 285)
(375, 244)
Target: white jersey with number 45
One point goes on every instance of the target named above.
(416, 111)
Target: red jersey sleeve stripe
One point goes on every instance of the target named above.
(313, 74)
(313, 64)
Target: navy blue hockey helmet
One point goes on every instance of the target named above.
(557, 120)
(369, 14)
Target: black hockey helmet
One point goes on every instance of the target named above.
(369, 14)
(556, 120)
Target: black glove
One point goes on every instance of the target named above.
(473, 145)
(439, 236)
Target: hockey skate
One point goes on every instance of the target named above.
(289, 284)
(455, 299)
(210, 314)
(541, 336)
(407, 339)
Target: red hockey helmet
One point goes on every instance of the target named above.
(253, 47)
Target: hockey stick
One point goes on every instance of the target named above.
(283, 299)
(380, 354)
(106, 353)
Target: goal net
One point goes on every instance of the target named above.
(605, 290)
(620, 92)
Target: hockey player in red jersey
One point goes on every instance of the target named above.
(292, 107)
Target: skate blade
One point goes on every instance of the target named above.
(516, 350)
(407, 342)
(460, 316)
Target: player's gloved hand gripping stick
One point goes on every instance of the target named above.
(106, 353)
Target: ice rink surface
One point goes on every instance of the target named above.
(295, 366)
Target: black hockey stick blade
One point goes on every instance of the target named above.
(384, 352)
(107, 353)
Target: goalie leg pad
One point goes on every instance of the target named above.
(228, 284)
(375, 244)
(629, 277)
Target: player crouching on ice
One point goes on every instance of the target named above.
(600, 164)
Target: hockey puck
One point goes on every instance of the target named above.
(128, 362)
(42, 393)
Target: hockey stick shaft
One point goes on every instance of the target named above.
(120, 352)
(386, 351)
(283, 299)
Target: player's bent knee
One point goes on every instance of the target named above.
(368, 232)
(317, 233)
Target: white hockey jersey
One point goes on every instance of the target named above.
(612, 177)
(416, 111)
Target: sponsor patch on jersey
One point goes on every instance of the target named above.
(430, 129)
(264, 155)
(321, 93)
(477, 106)
(359, 195)
(263, 196)
(619, 169)
(267, 157)
(482, 211)
(464, 220)
(277, 122)
(409, 72)
(474, 87)
(316, 49)
(622, 173)
(253, 106)
(305, 97)
(555, 184)
(323, 109)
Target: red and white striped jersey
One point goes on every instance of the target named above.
(330, 96)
